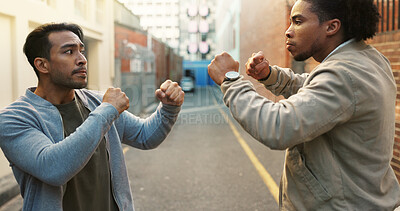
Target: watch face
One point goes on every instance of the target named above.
(232, 74)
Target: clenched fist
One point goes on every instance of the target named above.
(117, 98)
(170, 93)
(257, 66)
(220, 65)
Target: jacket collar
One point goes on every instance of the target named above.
(37, 100)
(350, 45)
(82, 96)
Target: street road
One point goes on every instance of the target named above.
(202, 165)
(208, 162)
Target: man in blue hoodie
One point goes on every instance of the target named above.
(63, 142)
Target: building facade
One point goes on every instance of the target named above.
(142, 61)
(197, 29)
(227, 27)
(159, 17)
(261, 32)
(19, 17)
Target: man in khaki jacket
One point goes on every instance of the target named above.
(336, 123)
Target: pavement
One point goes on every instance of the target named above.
(10, 199)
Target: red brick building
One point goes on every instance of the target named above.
(122, 34)
(263, 29)
(168, 65)
(143, 63)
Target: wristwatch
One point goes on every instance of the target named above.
(231, 76)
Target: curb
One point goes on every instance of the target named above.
(8, 188)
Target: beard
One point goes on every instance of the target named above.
(68, 82)
(302, 56)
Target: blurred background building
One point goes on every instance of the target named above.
(197, 36)
(187, 26)
(142, 61)
(159, 18)
(227, 27)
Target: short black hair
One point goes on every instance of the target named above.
(37, 43)
(359, 18)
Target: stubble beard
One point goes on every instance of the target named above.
(302, 57)
(307, 54)
(69, 82)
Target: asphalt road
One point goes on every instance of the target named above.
(202, 165)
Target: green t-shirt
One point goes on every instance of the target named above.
(91, 188)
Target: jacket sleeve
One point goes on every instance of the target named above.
(26, 145)
(147, 133)
(316, 108)
(283, 81)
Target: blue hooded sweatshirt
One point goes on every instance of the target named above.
(43, 160)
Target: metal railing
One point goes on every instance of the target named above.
(390, 18)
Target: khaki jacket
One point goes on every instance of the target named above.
(337, 126)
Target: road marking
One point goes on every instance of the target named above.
(125, 149)
(198, 109)
(266, 177)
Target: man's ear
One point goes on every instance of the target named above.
(41, 65)
(333, 27)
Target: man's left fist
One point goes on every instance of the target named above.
(220, 65)
(170, 93)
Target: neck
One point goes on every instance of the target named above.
(329, 45)
(55, 95)
(319, 58)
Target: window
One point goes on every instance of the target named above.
(136, 65)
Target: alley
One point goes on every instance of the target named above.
(202, 165)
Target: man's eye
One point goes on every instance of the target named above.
(68, 52)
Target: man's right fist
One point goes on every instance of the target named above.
(257, 66)
(117, 98)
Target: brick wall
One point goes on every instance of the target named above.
(168, 64)
(263, 29)
(132, 36)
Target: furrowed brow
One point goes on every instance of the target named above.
(72, 45)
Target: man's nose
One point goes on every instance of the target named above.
(289, 32)
(81, 60)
